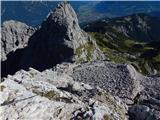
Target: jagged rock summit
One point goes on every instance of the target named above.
(64, 21)
(64, 30)
(59, 39)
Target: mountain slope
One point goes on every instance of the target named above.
(140, 27)
(91, 90)
(133, 39)
(55, 95)
(124, 8)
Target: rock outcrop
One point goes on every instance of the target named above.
(60, 36)
(95, 90)
(51, 95)
(139, 92)
(120, 80)
(14, 35)
(59, 39)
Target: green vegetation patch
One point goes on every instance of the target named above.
(108, 48)
(2, 87)
(129, 43)
(157, 58)
(84, 11)
(89, 47)
(106, 117)
(50, 94)
(120, 49)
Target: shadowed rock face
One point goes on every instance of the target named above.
(60, 36)
(56, 41)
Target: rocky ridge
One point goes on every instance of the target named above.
(73, 92)
(141, 27)
(54, 95)
(14, 35)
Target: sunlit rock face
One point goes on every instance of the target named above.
(94, 90)
(55, 95)
(14, 35)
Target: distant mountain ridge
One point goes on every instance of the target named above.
(155, 13)
(141, 26)
(33, 12)
(131, 39)
(123, 8)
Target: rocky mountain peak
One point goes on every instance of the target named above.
(63, 14)
(60, 35)
(63, 25)
(59, 39)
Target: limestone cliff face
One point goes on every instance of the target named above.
(64, 18)
(15, 35)
(60, 39)
(63, 21)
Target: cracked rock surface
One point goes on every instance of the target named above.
(77, 91)
(137, 91)
(50, 95)
(15, 35)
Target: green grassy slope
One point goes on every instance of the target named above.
(120, 48)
